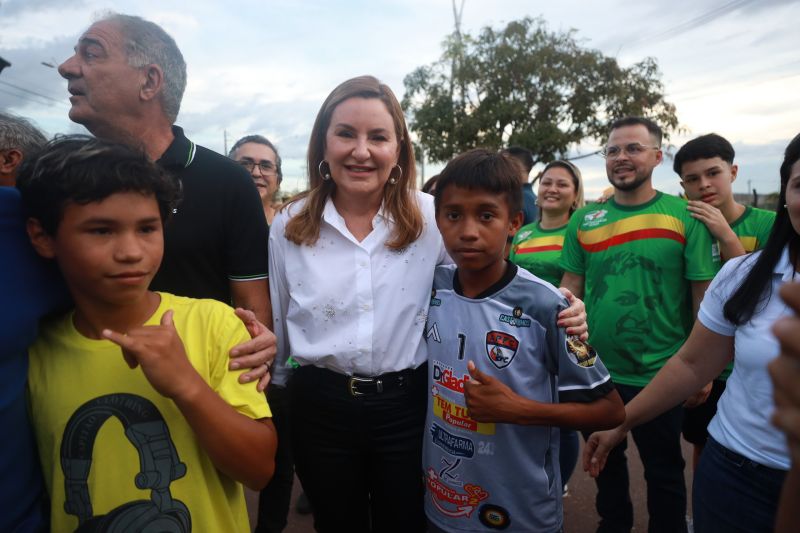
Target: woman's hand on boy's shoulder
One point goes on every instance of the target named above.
(257, 354)
(159, 351)
(573, 318)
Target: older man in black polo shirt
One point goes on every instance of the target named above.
(126, 80)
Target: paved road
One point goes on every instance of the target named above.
(579, 513)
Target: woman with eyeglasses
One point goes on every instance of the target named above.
(738, 480)
(352, 262)
(537, 248)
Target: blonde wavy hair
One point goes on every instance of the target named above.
(399, 199)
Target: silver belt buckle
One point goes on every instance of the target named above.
(351, 383)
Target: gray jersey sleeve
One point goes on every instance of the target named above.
(582, 377)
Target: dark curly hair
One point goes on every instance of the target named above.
(82, 169)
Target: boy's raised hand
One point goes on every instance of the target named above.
(160, 352)
(256, 354)
(489, 399)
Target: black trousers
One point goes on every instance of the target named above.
(658, 442)
(359, 458)
(274, 500)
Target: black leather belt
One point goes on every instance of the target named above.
(369, 385)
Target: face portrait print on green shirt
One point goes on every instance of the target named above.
(630, 309)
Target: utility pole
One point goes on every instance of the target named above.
(225, 141)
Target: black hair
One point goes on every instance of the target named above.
(704, 147)
(82, 169)
(484, 170)
(522, 155)
(259, 139)
(653, 128)
(430, 185)
(756, 289)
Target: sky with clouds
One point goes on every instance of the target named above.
(254, 66)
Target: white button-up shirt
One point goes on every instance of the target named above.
(742, 421)
(349, 306)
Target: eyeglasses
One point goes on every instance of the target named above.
(266, 168)
(632, 149)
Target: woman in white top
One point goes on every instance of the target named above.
(351, 271)
(742, 468)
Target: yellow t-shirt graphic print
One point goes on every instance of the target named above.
(107, 459)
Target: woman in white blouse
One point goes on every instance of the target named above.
(351, 270)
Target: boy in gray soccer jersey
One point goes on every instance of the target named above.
(503, 376)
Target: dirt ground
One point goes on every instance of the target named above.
(579, 513)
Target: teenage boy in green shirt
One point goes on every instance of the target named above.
(707, 171)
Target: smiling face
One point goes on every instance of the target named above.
(361, 148)
(262, 155)
(102, 85)
(475, 225)
(628, 172)
(109, 250)
(557, 192)
(709, 180)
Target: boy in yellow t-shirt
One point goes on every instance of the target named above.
(139, 424)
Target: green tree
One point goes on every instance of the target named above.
(525, 85)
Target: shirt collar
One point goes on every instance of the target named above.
(332, 216)
(180, 152)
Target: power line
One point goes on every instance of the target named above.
(690, 24)
(24, 97)
(32, 92)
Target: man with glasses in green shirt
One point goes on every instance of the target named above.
(642, 264)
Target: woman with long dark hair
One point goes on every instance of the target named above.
(738, 480)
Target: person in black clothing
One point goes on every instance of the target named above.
(126, 80)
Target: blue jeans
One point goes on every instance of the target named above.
(734, 494)
(658, 442)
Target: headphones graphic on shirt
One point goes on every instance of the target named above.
(159, 465)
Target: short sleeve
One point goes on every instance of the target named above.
(247, 230)
(582, 377)
(765, 228)
(725, 283)
(573, 258)
(701, 252)
(243, 397)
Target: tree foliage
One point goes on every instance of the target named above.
(525, 85)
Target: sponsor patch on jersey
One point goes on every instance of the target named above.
(594, 218)
(579, 352)
(515, 319)
(456, 416)
(501, 348)
(444, 376)
(524, 235)
(455, 502)
(493, 516)
(434, 300)
(452, 444)
(433, 333)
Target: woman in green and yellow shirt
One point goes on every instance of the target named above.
(537, 248)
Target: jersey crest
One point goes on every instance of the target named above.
(501, 348)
